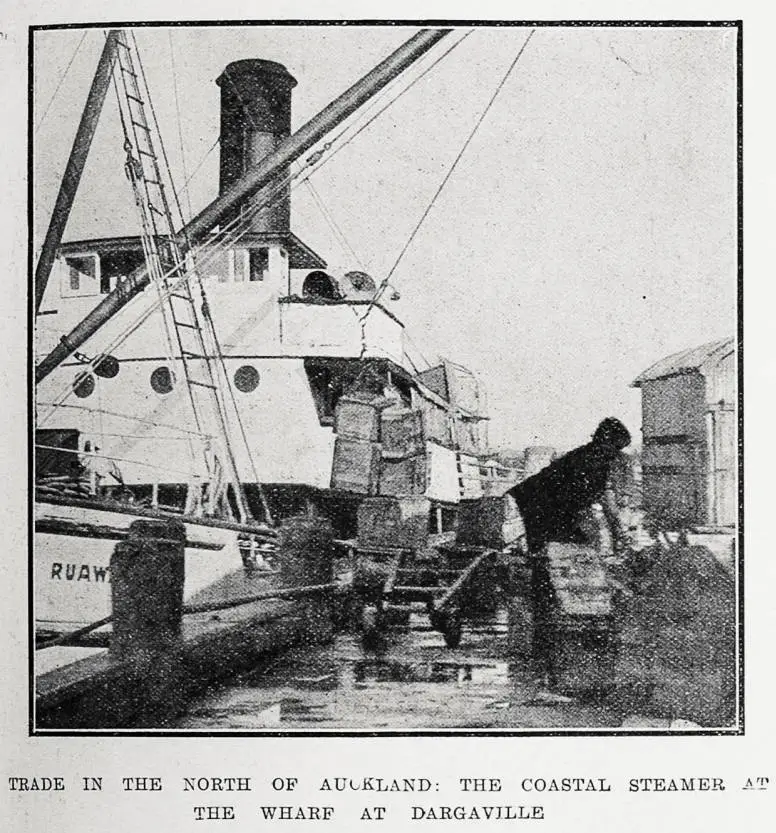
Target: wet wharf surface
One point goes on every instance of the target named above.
(672, 665)
(414, 683)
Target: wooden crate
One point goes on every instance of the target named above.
(404, 477)
(394, 522)
(357, 419)
(579, 585)
(493, 522)
(574, 631)
(356, 466)
(401, 433)
(471, 476)
(436, 425)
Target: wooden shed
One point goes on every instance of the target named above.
(689, 426)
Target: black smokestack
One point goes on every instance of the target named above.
(255, 118)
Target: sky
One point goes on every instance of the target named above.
(588, 230)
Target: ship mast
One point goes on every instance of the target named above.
(75, 165)
(261, 175)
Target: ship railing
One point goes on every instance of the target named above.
(96, 470)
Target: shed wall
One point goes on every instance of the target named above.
(674, 406)
(721, 381)
(689, 458)
(723, 469)
(674, 457)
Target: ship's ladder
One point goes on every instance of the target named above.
(194, 342)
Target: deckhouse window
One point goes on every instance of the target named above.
(258, 262)
(115, 266)
(162, 380)
(83, 385)
(81, 275)
(248, 264)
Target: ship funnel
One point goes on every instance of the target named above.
(255, 119)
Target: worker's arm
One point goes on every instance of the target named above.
(612, 515)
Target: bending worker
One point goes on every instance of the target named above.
(557, 505)
(556, 502)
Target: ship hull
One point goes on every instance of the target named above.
(73, 548)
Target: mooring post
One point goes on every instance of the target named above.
(306, 554)
(147, 577)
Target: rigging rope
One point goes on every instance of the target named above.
(61, 81)
(315, 161)
(412, 341)
(339, 235)
(244, 435)
(157, 129)
(119, 415)
(383, 286)
(178, 118)
(97, 455)
(200, 164)
(149, 230)
(394, 100)
(124, 436)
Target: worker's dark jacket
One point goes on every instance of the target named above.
(551, 500)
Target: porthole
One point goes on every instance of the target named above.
(246, 378)
(162, 380)
(83, 385)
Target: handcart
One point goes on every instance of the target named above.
(392, 580)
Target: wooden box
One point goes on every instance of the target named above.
(404, 477)
(356, 466)
(579, 585)
(394, 522)
(401, 433)
(357, 419)
(493, 522)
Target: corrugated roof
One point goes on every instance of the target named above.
(686, 361)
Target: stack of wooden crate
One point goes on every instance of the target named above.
(357, 450)
(384, 448)
(404, 469)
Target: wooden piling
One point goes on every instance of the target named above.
(147, 577)
(306, 554)
(160, 656)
